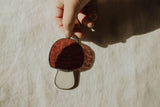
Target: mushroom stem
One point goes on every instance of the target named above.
(65, 80)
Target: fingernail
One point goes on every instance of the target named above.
(93, 30)
(90, 24)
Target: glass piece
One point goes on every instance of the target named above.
(66, 54)
(65, 79)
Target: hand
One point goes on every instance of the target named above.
(67, 12)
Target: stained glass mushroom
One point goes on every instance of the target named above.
(66, 55)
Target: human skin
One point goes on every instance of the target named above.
(69, 14)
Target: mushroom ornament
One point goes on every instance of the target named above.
(67, 56)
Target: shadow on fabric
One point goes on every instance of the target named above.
(119, 20)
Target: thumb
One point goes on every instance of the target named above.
(71, 9)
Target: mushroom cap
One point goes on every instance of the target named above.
(66, 54)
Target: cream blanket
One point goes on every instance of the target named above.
(126, 71)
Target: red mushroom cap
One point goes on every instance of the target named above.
(66, 54)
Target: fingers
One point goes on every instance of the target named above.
(66, 13)
(69, 16)
(84, 19)
(59, 10)
(66, 19)
(88, 15)
(78, 29)
(59, 14)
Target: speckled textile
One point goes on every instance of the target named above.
(126, 70)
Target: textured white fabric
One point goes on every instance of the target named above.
(124, 74)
